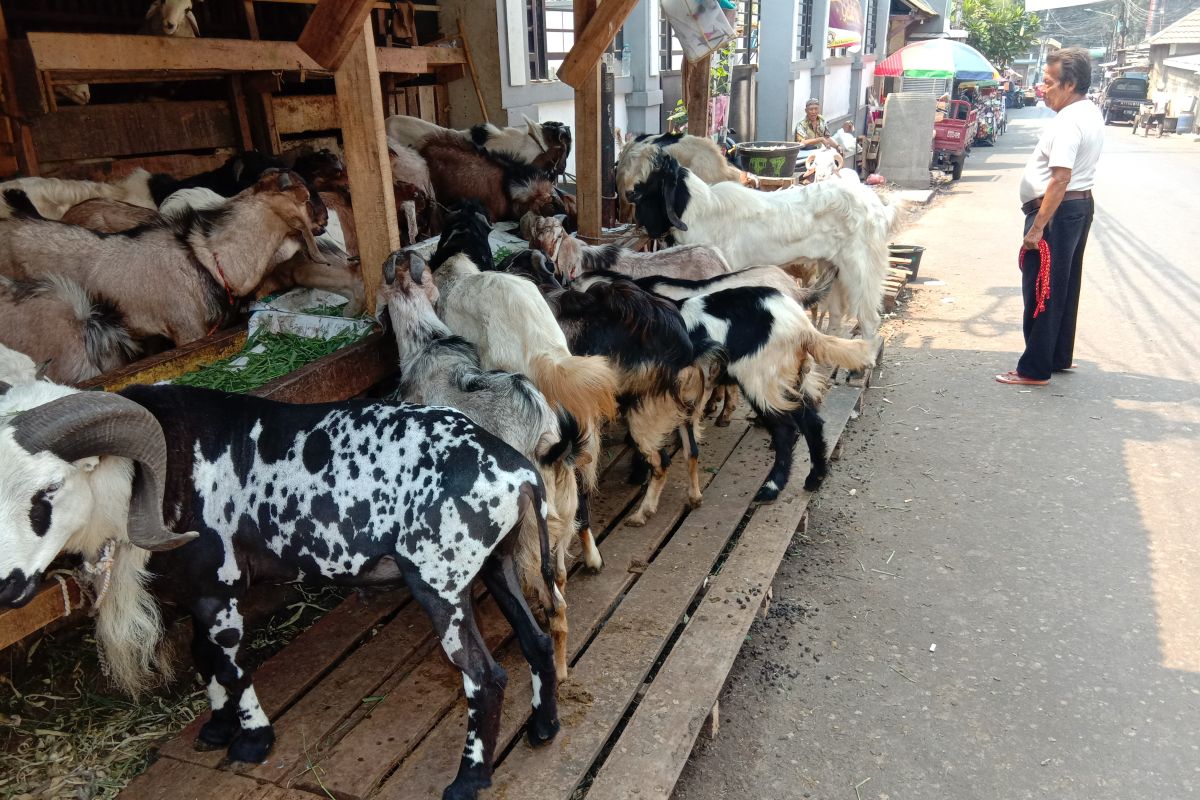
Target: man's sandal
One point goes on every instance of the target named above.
(1016, 378)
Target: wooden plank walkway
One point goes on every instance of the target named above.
(365, 705)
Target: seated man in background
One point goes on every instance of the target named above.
(812, 132)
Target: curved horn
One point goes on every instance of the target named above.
(102, 424)
(416, 267)
(669, 186)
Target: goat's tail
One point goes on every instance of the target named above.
(106, 339)
(533, 550)
(570, 444)
(20, 204)
(834, 351)
(586, 386)
(818, 290)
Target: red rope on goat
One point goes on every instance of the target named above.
(1042, 291)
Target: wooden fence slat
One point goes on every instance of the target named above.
(609, 673)
(290, 672)
(122, 129)
(47, 606)
(590, 598)
(658, 738)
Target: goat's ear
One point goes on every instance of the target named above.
(416, 267)
(670, 184)
(153, 9)
(285, 180)
(560, 218)
(239, 166)
(191, 20)
(535, 131)
(87, 464)
(389, 268)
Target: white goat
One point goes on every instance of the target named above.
(171, 18)
(505, 317)
(838, 222)
(53, 196)
(545, 145)
(573, 258)
(698, 153)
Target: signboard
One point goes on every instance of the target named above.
(845, 25)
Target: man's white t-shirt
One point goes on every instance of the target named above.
(1073, 140)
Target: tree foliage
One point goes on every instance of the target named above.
(1000, 29)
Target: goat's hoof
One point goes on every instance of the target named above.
(695, 502)
(722, 422)
(636, 521)
(767, 494)
(252, 746)
(466, 787)
(813, 482)
(216, 734)
(594, 561)
(542, 731)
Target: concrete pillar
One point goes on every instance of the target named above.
(776, 48)
(905, 148)
(643, 103)
(820, 33)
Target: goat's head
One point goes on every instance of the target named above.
(541, 197)
(297, 204)
(466, 231)
(174, 16)
(47, 456)
(405, 276)
(661, 199)
(547, 234)
(324, 170)
(534, 265)
(78, 93)
(554, 141)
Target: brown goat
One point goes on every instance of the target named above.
(506, 188)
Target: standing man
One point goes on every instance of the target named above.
(812, 132)
(1056, 192)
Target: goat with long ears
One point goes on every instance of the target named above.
(440, 369)
(358, 493)
(177, 277)
(840, 224)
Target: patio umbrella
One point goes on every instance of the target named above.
(937, 58)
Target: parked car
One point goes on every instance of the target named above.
(1122, 99)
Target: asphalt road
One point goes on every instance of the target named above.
(1046, 540)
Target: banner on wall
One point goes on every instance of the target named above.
(845, 25)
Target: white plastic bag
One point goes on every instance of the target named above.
(700, 26)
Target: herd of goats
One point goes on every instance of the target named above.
(509, 371)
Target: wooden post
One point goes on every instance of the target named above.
(249, 18)
(258, 89)
(695, 93)
(587, 134)
(360, 109)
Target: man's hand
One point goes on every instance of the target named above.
(1032, 238)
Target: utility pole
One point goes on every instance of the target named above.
(1150, 19)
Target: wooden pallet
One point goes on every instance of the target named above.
(365, 706)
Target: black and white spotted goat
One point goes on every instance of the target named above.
(357, 493)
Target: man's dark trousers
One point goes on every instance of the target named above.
(1050, 338)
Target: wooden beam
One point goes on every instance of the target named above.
(587, 133)
(82, 53)
(695, 92)
(48, 605)
(360, 108)
(595, 38)
(333, 29)
(123, 129)
(303, 113)
(417, 60)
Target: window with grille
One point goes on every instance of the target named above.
(551, 26)
(869, 34)
(804, 30)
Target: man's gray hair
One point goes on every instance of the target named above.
(812, 101)
(1075, 67)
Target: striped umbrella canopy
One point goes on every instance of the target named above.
(938, 58)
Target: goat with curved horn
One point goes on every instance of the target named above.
(102, 424)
